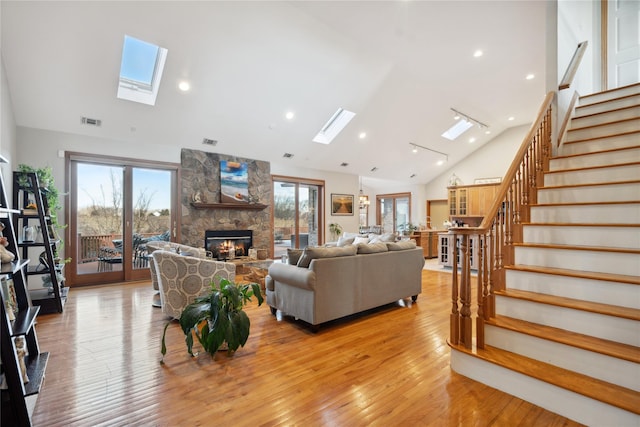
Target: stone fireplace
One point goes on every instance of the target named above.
(228, 244)
(200, 174)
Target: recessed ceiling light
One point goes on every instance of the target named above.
(511, 118)
(472, 140)
(530, 76)
(362, 135)
(184, 86)
(289, 115)
(440, 162)
(477, 54)
(487, 132)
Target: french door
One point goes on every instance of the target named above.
(116, 205)
(393, 211)
(297, 213)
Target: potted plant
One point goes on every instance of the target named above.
(336, 230)
(408, 228)
(217, 318)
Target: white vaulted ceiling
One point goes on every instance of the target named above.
(399, 65)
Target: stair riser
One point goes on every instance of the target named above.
(628, 213)
(555, 399)
(627, 192)
(604, 130)
(593, 324)
(579, 260)
(600, 291)
(606, 117)
(611, 143)
(587, 110)
(611, 237)
(596, 365)
(592, 176)
(596, 159)
(609, 95)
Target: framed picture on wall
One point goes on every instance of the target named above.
(341, 204)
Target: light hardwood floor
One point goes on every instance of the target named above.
(388, 367)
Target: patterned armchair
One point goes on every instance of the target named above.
(183, 278)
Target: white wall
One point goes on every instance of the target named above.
(491, 160)
(7, 127)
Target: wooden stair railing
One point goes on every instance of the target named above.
(499, 230)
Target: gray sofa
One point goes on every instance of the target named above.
(341, 281)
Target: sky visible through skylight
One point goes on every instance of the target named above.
(138, 60)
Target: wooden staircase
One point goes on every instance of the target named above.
(566, 330)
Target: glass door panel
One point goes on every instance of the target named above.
(98, 219)
(402, 213)
(284, 217)
(151, 190)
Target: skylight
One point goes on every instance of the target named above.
(334, 126)
(140, 70)
(458, 129)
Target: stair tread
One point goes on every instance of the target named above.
(614, 122)
(579, 248)
(600, 113)
(592, 184)
(611, 394)
(578, 224)
(609, 348)
(585, 168)
(614, 202)
(595, 138)
(576, 304)
(606, 101)
(615, 89)
(609, 277)
(567, 156)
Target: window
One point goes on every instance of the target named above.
(140, 70)
(393, 211)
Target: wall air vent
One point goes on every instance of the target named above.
(211, 142)
(91, 122)
(287, 155)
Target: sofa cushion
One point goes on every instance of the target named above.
(401, 245)
(311, 253)
(372, 248)
(293, 255)
(344, 241)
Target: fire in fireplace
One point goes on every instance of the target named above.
(228, 244)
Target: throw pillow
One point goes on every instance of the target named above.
(388, 237)
(344, 241)
(372, 248)
(401, 245)
(360, 239)
(294, 255)
(311, 253)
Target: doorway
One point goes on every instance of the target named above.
(116, 206)
(297, 213)
(393, 211)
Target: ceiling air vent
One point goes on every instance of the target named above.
(211, 142)
(287, 155)
(91, 122)
(344, 164)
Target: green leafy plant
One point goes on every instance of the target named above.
(47, 184)
(217, 317)
(407, 228)
(335, 229)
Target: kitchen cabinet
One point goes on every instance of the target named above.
(470, 203)
(445, 256)
(428, 241)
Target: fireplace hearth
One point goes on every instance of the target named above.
(228, 244)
